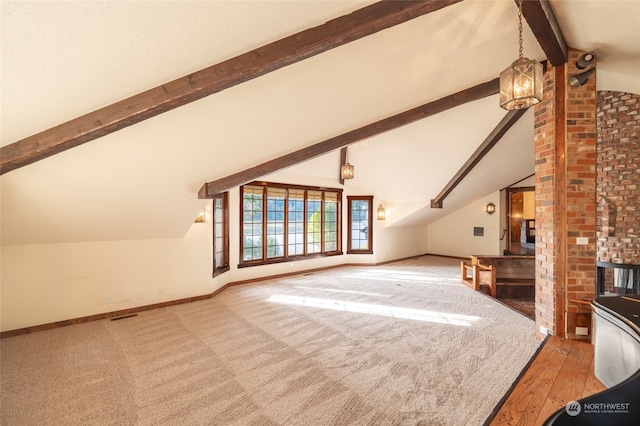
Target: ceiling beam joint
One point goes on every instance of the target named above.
(542, 21)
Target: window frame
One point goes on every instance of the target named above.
(350, 200)
(286, 257)
(224, 266)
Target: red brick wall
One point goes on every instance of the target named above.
(565, 149)
(580, 192)
(545, 154)
(618, 177)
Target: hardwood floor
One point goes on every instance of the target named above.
(522, 249)
(562, 372)
(525, 307)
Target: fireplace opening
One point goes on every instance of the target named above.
(617, 279)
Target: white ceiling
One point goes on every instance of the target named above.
(60, 60)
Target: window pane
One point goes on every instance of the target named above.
(295, 223)
(330, 222)
(314, 221)
(256, 253)
(246, 254)
(275, 222)
(217, 231)
(220, 233)
(252, 223)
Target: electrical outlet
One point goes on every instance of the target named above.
(582, 331)
(161, 291)
(139, 295)
(582, 241)
(543, 330)
(108, 299)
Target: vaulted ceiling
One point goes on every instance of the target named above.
(61, 60)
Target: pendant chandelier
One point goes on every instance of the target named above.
(521, 83)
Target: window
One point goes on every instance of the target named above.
(360, 233)
(220, 234)
(284, 222)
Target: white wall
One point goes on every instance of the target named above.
(45, 283)
(453, 234)
(398, 243)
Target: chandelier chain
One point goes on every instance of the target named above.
(520, 28)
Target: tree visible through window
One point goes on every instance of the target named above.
(360, 233)
(283, 222)
(295, 222)
(314, 221)
(331, 220)
(252, 208)
(275, 222)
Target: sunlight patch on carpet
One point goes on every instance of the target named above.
(332, 290)
(381, 310)
(404, 277)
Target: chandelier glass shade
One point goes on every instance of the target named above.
(521, 83)
(346, 171)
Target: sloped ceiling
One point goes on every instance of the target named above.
(64, 59)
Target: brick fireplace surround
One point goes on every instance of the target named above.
(618, 184)
(587, 193)
(618, 191)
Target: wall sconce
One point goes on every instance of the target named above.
(346, 170)
(382, 213)
(200, 217)
(490, 208)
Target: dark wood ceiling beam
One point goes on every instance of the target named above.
(494, 137)
(265, 59)
(480, 91)
(542, 21)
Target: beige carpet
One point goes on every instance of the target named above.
(400, 344)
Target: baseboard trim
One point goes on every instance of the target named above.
(444, 255)
(105, 315)
(129, 311)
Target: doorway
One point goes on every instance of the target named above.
(520, 221)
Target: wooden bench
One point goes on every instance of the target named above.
(510, 277)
